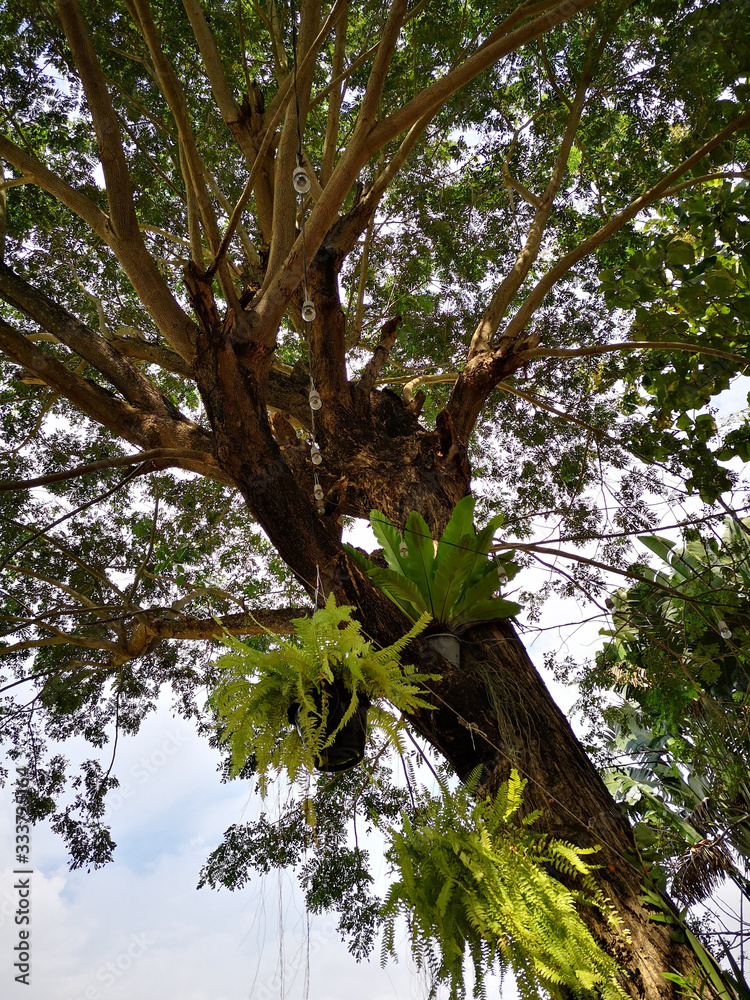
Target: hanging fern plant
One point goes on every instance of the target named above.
(258, 690)
(476, 877)
(454, 581)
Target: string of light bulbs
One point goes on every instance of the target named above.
(301, 184)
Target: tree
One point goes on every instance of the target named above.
(471, 170)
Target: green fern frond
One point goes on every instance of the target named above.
(257, 689)
(475, 879)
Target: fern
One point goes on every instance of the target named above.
(455, 581)
(475, 878)
(257, 689)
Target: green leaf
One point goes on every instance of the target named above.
(478, 593)
(461, 523)
(391, 540)
(359, 557)
(421, 558)
(487, 611)
(662, 547)
(450, 577)
(680, 252)
(402, 590)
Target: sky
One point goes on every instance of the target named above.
(139, 928)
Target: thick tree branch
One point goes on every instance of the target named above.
(351, 227)
(274, 114)
(257, 622)
(330, 142)
(435, 96)
(502, 298)
(193, 169)
(37, 173)
(484, 371)
(118, 416)
(364, 56)
(154, 354)
(372, 369)
(66, 639)
(67, 329)
(111, 155)
(293, 129)
(658, 191)
(220, 88)
(124, 236)
(366, 141)
(383, 56)
(146, 430)
(162, 458)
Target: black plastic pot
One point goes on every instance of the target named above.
(348, 747)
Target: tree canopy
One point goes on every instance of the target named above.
(514, 263)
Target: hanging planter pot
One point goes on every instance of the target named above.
(348, 747)
(448, 645)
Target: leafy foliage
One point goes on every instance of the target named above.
(475, 877)
(679, 654)
(454, 582)
(478, 206)
(256, 689)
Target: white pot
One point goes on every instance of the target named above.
(448, 645)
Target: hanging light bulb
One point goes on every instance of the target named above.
(403, 549)
(300, 180)
(308, 311)
(320, 508)
(318, 492)
(724, 630)
(315, 401)
(315, 457)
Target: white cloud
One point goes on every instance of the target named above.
(139, 928)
